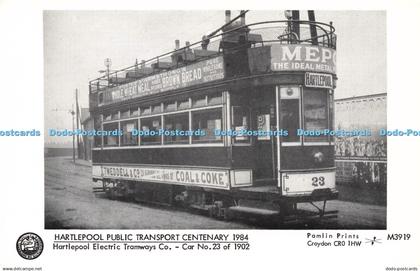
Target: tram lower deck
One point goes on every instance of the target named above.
(232, 170)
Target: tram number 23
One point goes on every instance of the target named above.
(318, 181)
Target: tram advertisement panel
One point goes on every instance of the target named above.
(303, 58)
(197, 73)
(293, 57)
(194, 177)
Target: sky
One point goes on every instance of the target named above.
(77, 42)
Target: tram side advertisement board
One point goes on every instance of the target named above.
(210, 178)
(194, 74)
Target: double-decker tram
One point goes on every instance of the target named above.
(237, 122)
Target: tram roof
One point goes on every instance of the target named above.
(257, 34)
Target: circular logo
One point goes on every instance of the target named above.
(29, 246)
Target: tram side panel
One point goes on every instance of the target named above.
(204, 167)
(196, 156)
(302, 157)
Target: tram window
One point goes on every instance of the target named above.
(97, 124)
(174, 123)
(111, 140)
(101, 98)
(125, 114)
(169, 106)
(289, 112)
(183, 104)
(207, 121)
(108, 117)
(199, 101)
(315, 113)
(240, 121)
(115, 115)
(134, 112)
(156, 108)
(215, 99)
(127, 139)
(145, 111)
(152, 126)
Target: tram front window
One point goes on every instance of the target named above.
(315, 107)
(289, 112)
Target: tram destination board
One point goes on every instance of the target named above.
(318, 80)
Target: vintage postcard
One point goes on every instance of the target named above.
(212, 137)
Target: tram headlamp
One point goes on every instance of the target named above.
(288, 14)
(319, 157)
(289, 91)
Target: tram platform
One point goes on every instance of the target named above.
(274, 193)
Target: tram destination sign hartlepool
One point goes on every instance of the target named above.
(318, 80)
(194, 74)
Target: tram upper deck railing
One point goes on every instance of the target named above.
(256, 35)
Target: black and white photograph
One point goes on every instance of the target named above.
(222, 119)
(209, 135)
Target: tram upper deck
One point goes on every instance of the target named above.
(240, 51)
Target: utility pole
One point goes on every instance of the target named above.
(72, 112)
(77, 124)
(72, 117)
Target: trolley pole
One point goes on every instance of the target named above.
(108, 64)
